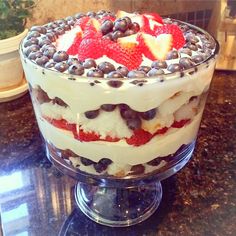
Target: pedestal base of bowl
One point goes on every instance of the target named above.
(118, 207)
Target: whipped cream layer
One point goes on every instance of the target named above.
(80, 96)
(120, 152)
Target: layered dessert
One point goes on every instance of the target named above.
(118, 94)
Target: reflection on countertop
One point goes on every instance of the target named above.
(35, 199)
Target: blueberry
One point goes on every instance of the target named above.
(61, 66)
(123, 70)
(134, 124)
(79, 15)
(159, 65)
(59, 30)
(31, 41)
(144, 68)
(91, 14)
(91, 114)
(106, 26)
(33, 34)
(192, 46)
(40, 29)
(114, 74)
(108, 36)
(148, 115)
(128, 114)
(136, 74)
(50, 64)
(115, 83)
(60, 56)
(73, 61)
(129, 32)
(95, 73)
(46, 46)
(106, 67)
(41, 60)
(120, 25)
(135, 27)
(86, 162)
(137, 169)
(172, 55)
(89, 63)
(155, 72)
(71, 22)
(186, 62)
(34, 55)
(155, 162)
(174, 67)
(197, 58)
(49, 52)
(52, 36)
(128, 20)
(186, 51)
(108, 107)
(105, 161)
(52, 25)
(42, 42)
(191, 38)
(59, 102)
(117, 34)
(70, 18)
(32, 48)
(99, 167)
(76, 69)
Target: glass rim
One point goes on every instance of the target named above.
(169, 76)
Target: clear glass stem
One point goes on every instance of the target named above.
(118, 207)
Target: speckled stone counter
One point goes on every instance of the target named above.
(35, 199)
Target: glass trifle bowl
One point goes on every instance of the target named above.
(118, 101)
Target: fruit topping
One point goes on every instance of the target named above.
(155, 48)
(175, 31)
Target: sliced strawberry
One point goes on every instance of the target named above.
(126, 52)
(82, 22)
(93, 48)
(154, 17)
(139, 138)
(110, 139)
(73, 49)
(161, 131)
(175, 31)
(155, 48)
(87, 136)
(62, 124)
(180, 124)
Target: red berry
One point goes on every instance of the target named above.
(154, 16)
(180, 124)
(126, 52)
(87, 136)
(155, 48)
(175, 31)
(82, 22)
(73, 49)
(139, 138)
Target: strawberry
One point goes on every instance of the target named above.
(126, 52)
(62, 124)
(175, 31)
(155, 48)
(93, 48)
(139, 138)
(154, 17)
(87, 136)
(82, 22)
(73, 49)
(180, 124)
(161, 131)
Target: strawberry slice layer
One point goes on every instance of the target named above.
(73, 49)
(139, 137)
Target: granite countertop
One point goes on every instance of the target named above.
(35, 199)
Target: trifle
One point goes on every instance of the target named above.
(118, 95)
